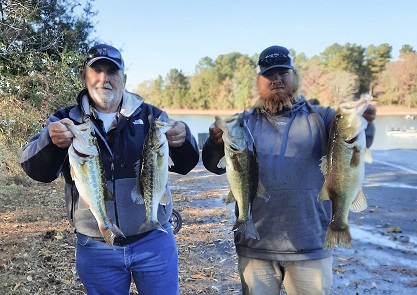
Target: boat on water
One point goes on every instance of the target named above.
(411, 132)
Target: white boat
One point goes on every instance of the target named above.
(403, 132)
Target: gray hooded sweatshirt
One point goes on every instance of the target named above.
(292, 224)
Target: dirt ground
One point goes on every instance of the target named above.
(37, 244)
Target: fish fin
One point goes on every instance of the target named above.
(83, 204)
(334, 238)
(150, 119)
(222, 163)
(323, 165)
(136, 196)
(137, 167)
(359, 203)
(324, 194)
(247, 228)
(117, 231)
(230, 198)
(262, 192)
(150, 225)
(368, 156)
(168, 193)
(356, 158)
(108, 195)
(72, 172)
(108, 235)
(170, 162)
(165, 200)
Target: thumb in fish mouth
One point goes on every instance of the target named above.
(67, 121)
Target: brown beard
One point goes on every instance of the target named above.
(277, 103)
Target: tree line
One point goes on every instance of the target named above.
(340, 72)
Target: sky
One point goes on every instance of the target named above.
(157, 36)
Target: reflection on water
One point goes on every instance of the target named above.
(201, 123)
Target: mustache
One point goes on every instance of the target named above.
(275, 103)
(104, 85)
(277, 85)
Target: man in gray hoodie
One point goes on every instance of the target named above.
(291, 136)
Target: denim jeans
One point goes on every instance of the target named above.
(265, 277)
(152, 262)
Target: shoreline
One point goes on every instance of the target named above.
(380, 111)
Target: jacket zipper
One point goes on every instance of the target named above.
(114, 192)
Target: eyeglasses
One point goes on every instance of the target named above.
(274, 60)
(108, 52)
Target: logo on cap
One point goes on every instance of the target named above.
(104, 51)
(274, 57)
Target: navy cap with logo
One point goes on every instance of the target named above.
(274, 57)
(104, 51)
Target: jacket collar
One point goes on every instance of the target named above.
(131, 102)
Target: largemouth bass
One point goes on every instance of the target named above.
(242, 170)
(88, 174)
(344, 170)
(151, 186)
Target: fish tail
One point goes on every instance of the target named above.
(247, 228)
(324, 194)
(338, 237)
(151, 225)
(109, 233)
(117, 231)
(108, 236)
(135, 195)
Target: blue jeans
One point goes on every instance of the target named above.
(152, 262)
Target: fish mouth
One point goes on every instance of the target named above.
(79, 154)
(352, 140)
(234, 147)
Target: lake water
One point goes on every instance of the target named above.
(382, 141)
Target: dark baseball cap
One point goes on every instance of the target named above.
(104, 51)
(274, 57)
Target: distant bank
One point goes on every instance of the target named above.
(381, 111)
(394, 110)
(201, 112)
